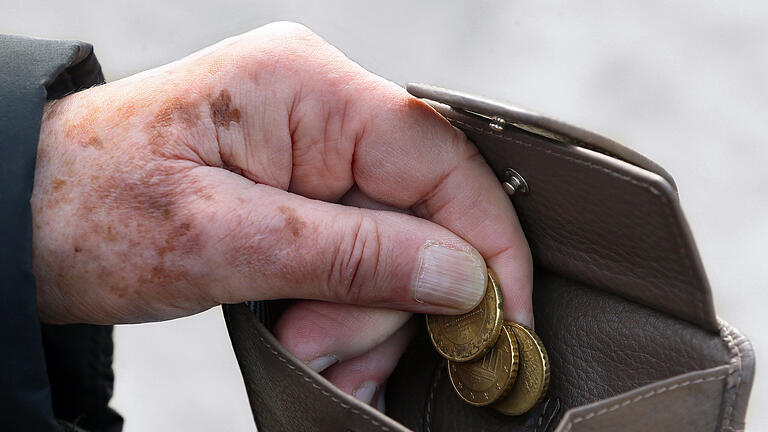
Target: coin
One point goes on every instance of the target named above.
(466, 337)
(532, 377)
(487, 379)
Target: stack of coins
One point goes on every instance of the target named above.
(491, 361)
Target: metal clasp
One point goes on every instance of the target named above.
(514, 183)
(497, 123)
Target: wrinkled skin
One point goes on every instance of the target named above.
(266, 166)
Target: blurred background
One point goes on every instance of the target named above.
(684, 82)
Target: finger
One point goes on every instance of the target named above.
(267, 243)
(432, 169)
(349, 126)
(364, 376)
(322, 334)
(356, 198)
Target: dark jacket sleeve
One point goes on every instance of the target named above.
(32, 71)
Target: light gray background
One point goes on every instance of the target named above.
(684, 83)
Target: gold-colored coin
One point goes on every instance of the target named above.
(532, 377)
(488, 379)
(466, 337)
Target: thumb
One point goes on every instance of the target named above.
(266, 243)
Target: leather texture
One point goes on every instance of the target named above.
(599, 345)
(285, 394)
(620, 298)
(563, 131)
(599, 219)
(686, 403)
(742, 371)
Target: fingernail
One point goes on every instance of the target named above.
(322, 363)
(450, 278)
(366, 391)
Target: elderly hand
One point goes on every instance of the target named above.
(266, 167)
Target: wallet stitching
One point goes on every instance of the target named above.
(628, 402)
(320, 389)
(735, 369)
(647, 186)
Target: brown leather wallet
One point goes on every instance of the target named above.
(620, 298)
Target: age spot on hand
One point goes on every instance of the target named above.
(128, 110)
(94, 142)
(292, 221)
(222, 112)
(110, 235)
(176, 110)
(57, 185)
(174, 237)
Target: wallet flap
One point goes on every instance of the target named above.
(686, 403)
(595, 211)
(536, 123)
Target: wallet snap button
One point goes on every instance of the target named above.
(514, 183)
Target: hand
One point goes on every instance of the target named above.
(217, 179)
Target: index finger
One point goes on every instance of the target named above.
(411, 157)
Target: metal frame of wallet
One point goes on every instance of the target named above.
(620, 296)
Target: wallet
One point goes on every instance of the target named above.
(621, 302)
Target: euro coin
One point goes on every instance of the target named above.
(466, 337)
(532, 377)
(488, 379)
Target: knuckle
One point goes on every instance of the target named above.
(292, 37)
(292, 28)
(357, 261)
(294, 47)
